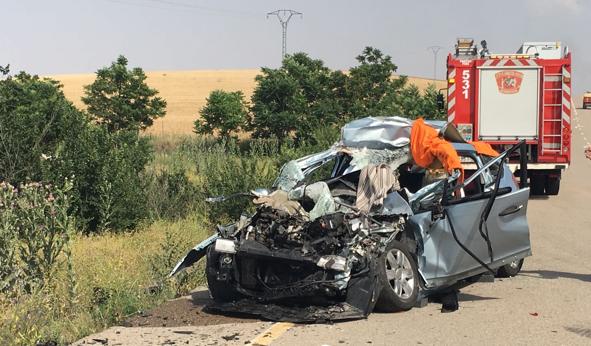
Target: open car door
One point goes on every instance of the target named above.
(473, 234)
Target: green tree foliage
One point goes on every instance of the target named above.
(108, 170)
(295, 98)
(371, 88)
(303, 95)
(35, 121)
(225, 112)
(430, 108)
(35, 229)
(43, 137)
(121, 99)
(4, 70)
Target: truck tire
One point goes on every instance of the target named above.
(537, 185)
(399, 278)
(221, 291)
(510, 270)
(552, 185)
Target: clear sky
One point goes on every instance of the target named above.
(77, 36)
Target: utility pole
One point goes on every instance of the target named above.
(435, 50)
(284, 16)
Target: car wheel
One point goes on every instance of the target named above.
(552, 186)
(511, 269)
(220, 290)
(398, 275)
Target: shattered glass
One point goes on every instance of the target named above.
(291, 174)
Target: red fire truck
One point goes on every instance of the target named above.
(505, 98)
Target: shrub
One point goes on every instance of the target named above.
(170, 194)
(35, 121)
(226, 167)
(107, 170)
(36, 229)
(8, 237)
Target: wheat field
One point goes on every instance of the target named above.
(186, 92)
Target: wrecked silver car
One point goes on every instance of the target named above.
(369, 223)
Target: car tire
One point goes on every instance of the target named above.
(398, 277)
(221, 291)
(510, 270)
(537, 185)
(552, 186)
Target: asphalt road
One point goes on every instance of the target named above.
(548, 303)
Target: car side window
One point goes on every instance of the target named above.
(475, 187)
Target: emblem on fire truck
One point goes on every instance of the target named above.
(509, 82)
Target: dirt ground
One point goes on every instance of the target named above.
(185, 311)
(548, 303)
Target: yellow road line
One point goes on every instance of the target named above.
(271, 334)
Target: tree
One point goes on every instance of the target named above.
(4, 70)
(296, 98)
(35, 121)
(225, 112)
(430, 107)
(120, 98)
(304, 95)
(371, 85)
(43, 137)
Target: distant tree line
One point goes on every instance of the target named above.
(303, 95)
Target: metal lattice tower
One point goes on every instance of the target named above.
(435, 50)
(284, 17)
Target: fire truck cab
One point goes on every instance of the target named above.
(505, 98)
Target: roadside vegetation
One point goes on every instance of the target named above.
(94, 213)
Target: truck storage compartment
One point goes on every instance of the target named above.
(509, 103)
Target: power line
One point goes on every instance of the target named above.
(172, 5)
(204, 8)
(284, 17)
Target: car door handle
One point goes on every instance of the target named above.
(511, 210)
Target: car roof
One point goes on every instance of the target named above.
(391, 132)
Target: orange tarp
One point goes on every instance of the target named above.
(484, 149)
(426, 147)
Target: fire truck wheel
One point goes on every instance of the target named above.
(537, 185)
(552, 186)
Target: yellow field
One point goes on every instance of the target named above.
(186, 92)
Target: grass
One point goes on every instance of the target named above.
(114, 277)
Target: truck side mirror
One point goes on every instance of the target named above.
(440, 102)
